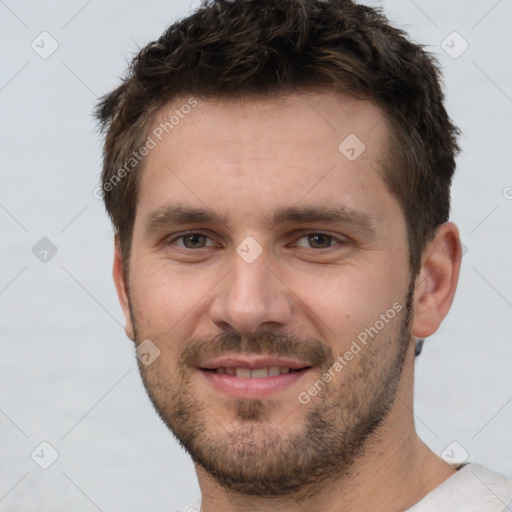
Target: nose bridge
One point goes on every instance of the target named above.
(251, 296)
(248, 282)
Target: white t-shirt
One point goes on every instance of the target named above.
(472, 489)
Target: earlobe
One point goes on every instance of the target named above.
(122, 288)
(437, 280)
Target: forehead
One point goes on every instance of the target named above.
(309, 116)
(261, 154)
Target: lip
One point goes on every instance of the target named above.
(254, 361)
(238, 387)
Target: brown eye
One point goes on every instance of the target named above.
(194, 241)
(319, 241)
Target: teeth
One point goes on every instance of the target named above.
(257, 373)
(243, 373)
(273, 371)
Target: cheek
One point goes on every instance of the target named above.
(166, 300)
(342, 302)
(151, 291)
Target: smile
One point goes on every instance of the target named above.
(254, 378)
(257, 373)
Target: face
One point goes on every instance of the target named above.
(269, 266)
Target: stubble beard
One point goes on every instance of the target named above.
(254, 457)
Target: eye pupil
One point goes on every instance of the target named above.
(194, 241)
(319, 241)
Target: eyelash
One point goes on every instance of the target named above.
(334, 240)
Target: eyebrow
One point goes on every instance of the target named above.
(333, 215)
(176, 214)
(169, 215)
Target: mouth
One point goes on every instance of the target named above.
(256, 373)
(256, 377)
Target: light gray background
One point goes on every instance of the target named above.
(68, 374)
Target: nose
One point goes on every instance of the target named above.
(251, 297)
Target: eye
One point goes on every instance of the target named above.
(193, 241)
(316, 241)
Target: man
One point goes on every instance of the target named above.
(278, 175)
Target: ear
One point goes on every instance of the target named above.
(121, 287)
(437, 280)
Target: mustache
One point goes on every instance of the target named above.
(268, 342)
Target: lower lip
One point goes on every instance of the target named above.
(239, 387)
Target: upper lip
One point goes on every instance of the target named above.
(253, 362)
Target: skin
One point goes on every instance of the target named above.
(245, 160)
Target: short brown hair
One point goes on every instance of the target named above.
(262, 47)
